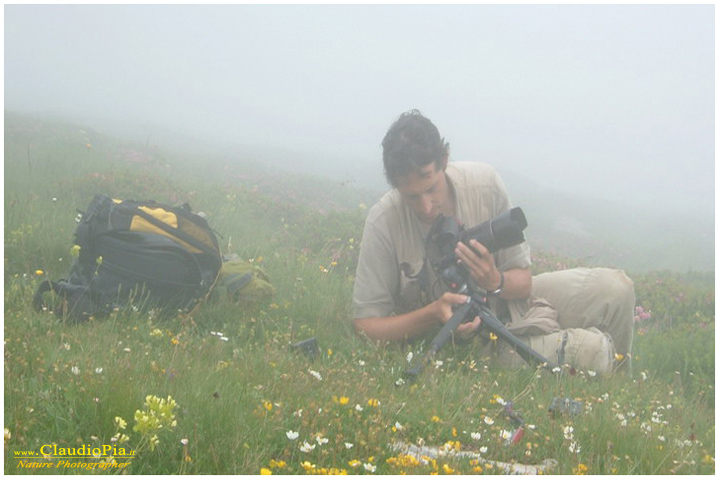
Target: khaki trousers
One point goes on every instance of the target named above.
(582, 317)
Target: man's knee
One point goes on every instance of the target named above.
(614, 283)
(615, 289)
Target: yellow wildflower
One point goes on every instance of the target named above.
(156, 333)
(120, 423)
(265, 471)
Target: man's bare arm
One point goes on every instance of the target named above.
(417, 322)
(517, 283)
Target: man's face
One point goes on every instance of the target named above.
(426, 192)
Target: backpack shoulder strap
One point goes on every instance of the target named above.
(44, 287)
(77, 302)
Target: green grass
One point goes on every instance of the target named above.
(241, 390)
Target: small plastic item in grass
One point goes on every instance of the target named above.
(519, 422)
(565, 406)
(308, 347)
(516, 436)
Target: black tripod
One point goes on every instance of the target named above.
(476, 306)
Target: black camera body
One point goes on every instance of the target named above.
(503, 231)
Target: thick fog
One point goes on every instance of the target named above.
(615, 102)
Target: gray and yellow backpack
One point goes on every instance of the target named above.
(135, 254)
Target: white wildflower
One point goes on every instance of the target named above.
(292, 435)
(306, 447)
(315, 374)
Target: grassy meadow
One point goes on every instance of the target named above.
(222, 392)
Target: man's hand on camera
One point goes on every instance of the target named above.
(480, 264)
(444, 307)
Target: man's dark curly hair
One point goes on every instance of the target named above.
(412, 143)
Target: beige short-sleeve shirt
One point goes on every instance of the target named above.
(393, 275)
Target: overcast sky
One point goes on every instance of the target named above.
(613, 101)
